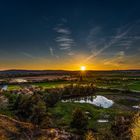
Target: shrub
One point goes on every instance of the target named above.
(121, 128)
(51, 99)
(78, 90)
(79, 119)
(31, 108)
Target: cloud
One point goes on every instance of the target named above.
(117, 60)
(28, 55)
(65, 47)
(125, 42)
(62, 31)
(93, 40)
(115, 39)
(65, 42)
(121, 54)
(51, 51)
(64, 38)
(71, 53)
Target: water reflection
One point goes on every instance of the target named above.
(98, 100)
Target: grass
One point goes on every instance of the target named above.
(135, 85)
(42, 84)
(62, 113)
(132, 85)
(13, 87)
(52, 84)
(128, 102)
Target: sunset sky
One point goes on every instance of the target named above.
(67, 34)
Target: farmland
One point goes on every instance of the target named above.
(101, 99)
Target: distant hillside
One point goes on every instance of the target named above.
(14, 73)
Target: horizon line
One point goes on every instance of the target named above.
(69, 70)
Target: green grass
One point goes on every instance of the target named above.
(128, 102)
(13, 87)
(135, 85)
(52, 84)
(132, 85)
(62, 113)
(42, 84)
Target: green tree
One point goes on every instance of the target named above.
(31, 108)
(38, 112)
(51, 99)
(79, 119)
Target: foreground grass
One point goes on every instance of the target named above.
(62, 114)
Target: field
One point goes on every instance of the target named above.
(131, 85)
(124, 92)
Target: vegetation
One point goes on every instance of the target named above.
(121, 127)
(51, 98)
(79, 120)
(45, 109)
(75, 90)
(89, 135)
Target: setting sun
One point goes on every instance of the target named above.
(83, 68)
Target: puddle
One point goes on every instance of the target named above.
(98, 100)
(102, 121)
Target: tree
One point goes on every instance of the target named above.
(38, 112)
(51, 99)
(79, 119)
(31, 108)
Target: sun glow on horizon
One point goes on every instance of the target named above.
(83, 68)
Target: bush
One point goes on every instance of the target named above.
(121, 128)
(31, 108)
(78, 90)
(79, 119)
(51, 99)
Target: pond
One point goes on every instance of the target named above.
(98, 100)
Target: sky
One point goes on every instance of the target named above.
(67, 34)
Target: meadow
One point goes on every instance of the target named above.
(119, 84)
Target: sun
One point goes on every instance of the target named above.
(83, 68)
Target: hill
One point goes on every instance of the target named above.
(11, 129)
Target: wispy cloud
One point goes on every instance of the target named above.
(28, 55)
(51, 51)
(64, 38)
(71, 53)
(117, 60)
(65, 42)
(115, 39)
(65, 47)
(62, 30)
